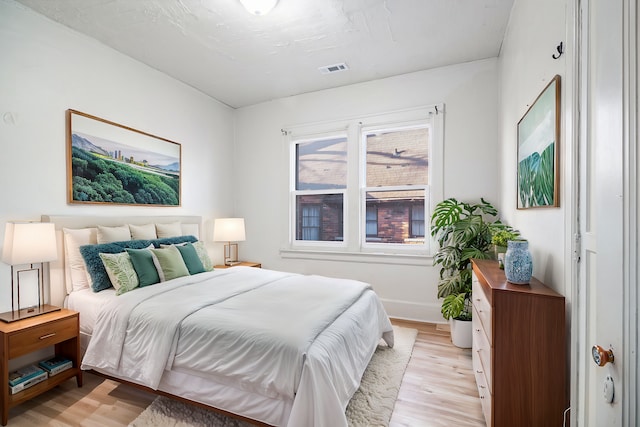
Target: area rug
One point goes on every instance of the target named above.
(371, 405)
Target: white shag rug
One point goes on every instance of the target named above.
(371, 405)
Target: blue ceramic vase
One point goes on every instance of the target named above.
(518, 264)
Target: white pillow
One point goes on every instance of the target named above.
(143, 232)
(113, 234)
(172, 229)
(191, 230)
(73, 239)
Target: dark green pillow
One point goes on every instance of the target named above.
(190, 257)
(173, 240)
(142, 261)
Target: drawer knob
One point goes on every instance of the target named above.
(601, 356)
(44, 337)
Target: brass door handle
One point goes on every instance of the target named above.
(601, 356)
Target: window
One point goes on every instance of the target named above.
(310, 227)
(320, 170)
(416, 229)
(372, 221)
(396, 175)
(366, 187)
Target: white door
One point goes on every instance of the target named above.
(606, 290)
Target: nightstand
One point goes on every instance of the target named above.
(60, 329)
(241, 264)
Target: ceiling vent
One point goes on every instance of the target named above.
(328, 69)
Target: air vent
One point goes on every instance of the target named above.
(328, 69)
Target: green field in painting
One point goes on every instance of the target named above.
(96, 179)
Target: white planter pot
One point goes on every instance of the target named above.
(461, 333)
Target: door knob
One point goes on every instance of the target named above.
(601, 356)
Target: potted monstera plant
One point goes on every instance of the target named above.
(463, 231)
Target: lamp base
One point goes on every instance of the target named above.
(25, 313)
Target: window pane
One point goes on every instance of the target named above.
(396, 222)
(322, 164)
(372, 221)
(397, 157)
(417, 220)
(319, 217)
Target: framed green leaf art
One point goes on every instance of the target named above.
(114, 164)
(538, 161)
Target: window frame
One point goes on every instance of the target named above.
(293, 141)
(399, 126)
(354, 247)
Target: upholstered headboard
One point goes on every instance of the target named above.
(59, 280)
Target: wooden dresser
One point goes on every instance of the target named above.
(519, 349)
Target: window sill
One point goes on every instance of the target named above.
(361, 257)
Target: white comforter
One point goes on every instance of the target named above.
(254, 329)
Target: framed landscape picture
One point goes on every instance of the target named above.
(538, 161)
(115, 164)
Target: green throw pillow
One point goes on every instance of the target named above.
(142, 261)
(121, 272)
(169, 263)
(203, 255)
(191, 259)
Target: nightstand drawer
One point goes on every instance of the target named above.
(34, 338)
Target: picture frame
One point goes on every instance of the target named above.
(538, 151)
(109, 163)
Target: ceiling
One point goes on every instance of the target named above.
(240, 59)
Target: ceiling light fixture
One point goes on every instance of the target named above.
(259, 7)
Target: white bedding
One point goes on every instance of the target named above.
(300, 342)
(88, 304)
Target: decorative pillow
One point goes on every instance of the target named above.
(120, 270)
(157, 243)
(95, 267)
(113, 234)
(190, 257)
(203, 254)
(172, 229)
(169, 263)
(73, 239)
(142, 261)
(147, 231)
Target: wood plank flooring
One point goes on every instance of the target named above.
(438, 389)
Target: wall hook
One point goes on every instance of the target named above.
(560, 50)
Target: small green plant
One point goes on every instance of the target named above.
(502, 236)
(463, 232)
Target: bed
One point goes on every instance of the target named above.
(277, 348)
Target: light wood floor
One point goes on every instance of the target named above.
(438, 389)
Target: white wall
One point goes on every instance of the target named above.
(469, 92)
(526, 66)
(46, 69)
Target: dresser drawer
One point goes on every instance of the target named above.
(482, 352)
(485, 394)
(34, 338)
(483, 308)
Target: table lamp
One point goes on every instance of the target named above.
(229, 230)
(28, 243)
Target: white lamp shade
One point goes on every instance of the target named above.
(29, 243)
(259, 7)
(228, 230)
